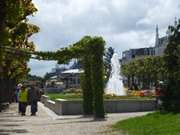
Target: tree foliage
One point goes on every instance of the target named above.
(144, 72)
(14, 34)
(171, 98)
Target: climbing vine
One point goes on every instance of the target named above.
(90, 51)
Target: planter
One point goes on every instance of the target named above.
(74, 107)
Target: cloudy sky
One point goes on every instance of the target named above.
(124, 24)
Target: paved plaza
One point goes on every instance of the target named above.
(48, 123)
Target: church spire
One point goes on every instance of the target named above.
(175, 21)
(157, 36)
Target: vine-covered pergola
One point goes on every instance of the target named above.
(90, 51)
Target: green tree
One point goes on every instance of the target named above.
(14, 34)
(171, 98)
(146, 71)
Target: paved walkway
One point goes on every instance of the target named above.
(48, 123)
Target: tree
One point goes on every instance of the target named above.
(171, 93)
(14, 34)
(146, 71)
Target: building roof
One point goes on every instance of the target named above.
(53, 77)
(72, 71)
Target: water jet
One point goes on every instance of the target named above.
(115, 83)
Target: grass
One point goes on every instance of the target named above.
(68, 96)
(126, 97)
(151, 124)
(78, 96)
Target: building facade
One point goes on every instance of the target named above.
(157, 50)
(160, 43)
(63, 77)
(132, 54)
(71, 78)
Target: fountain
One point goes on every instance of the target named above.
(115, 84)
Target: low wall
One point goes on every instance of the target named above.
(52, 90)
(50, 104)
(66, 107)
(44, 98)
(114, 106)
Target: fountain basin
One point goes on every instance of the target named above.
(74, 107)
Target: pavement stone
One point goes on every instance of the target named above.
(48, 123)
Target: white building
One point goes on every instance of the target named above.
(71, 78)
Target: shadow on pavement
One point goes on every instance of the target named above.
(4, 134)
(8, 131)
(10, 120)
(74, 121)
(9, 125)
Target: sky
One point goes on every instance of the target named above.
(124, 24)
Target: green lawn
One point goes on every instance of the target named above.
(68, 96)
(151, 124)
(77, 96)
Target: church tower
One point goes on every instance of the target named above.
(175, 22)
(157, 36)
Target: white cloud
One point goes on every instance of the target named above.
(124, 24)
(162, 13)
(41, 67)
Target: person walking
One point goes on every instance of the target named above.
(33, 98)
(158, 94)
(18, 88)
(23, 95)
(17, 92)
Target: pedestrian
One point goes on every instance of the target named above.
(23, 95)
(17, 96)
(159, 94)
(33, 98)
(17, 92)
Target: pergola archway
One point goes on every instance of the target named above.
(90, 51)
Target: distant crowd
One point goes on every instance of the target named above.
(27, 95)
